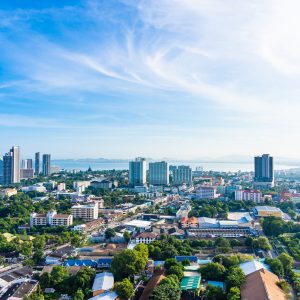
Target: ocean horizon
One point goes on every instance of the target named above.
(114, 164)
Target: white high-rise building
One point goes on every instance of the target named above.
(137, 171)
(159, 173)
(182, 174)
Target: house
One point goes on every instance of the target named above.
(104, 262)
(252, 266)
(189, 222)
(262, 285)
(103, 282)
(80, 263)
(24, 290)
(267, 211)
(145, 237)
(106, 296)
(152, 283)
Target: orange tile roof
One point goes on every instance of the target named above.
(261, 285)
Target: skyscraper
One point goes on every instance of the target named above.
(37, 164)
(1, 170)
(159, 173)
(11, 166)
(137, 171)
(28, 163)
(264, 171)
(182, 174)
(46, 164)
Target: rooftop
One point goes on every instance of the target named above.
(262, 285)
(190, 283)
(103, 281)
(138, 223)
(252, 266)
(267, 208)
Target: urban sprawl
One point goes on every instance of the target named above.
(152, 232)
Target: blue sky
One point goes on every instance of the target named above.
(180, 78)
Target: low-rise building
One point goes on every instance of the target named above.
(51, 218)
(189, 222)
(86, 212)
(249, 195)
(103, 282)
(267, 211)
(262, 285)
(36, 188)
(145, 237)
(8, 192)
(26, 173)
(183, 211)
(206, 192)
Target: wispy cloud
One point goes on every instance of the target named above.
(179, 63)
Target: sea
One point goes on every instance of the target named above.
(84, 164)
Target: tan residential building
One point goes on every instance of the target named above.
(51, 218)
(86, 212)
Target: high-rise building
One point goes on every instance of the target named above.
(46, 164)
(264, 171)
(159, 173)
(1, 170)
(137, 171)
(7, 169)
(182, 174)
(26, 163)
(11, 166)
(37, 164)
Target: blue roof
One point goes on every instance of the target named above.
(190, 258)
(80, 263)
(105, 260)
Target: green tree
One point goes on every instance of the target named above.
(143, 250)
(213, 271)
(186, 262)
(276, 266)
(234, 294)
(235, 277)
(176, 270)
(249, 241)
(110, 233)
(165, 291)
(79, 295)
(262, 243)
(45, 280)
(126, 236)
(59, 274)
(124, 289)
(214, 293)
(287, 261)
(127, 263)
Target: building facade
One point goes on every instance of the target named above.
(264, 171)
(46, 164)
(86, 212)
(206, 192)
(11, 166)
(51, 218)
(182, 174)
(137, 171)
(37, 164)
(159, 173)
(249, 195)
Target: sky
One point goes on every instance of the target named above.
(155, 78)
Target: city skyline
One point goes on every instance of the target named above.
(117, 79)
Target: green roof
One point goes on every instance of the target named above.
(190, 283)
